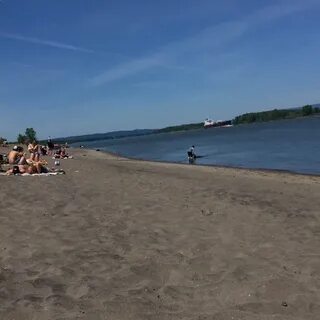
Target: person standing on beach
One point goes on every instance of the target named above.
(50, 145)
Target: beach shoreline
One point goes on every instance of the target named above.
(248, 169)
(116, 238)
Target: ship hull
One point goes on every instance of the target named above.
(224, 124)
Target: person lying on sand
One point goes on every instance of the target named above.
(32, 168)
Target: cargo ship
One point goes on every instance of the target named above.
(209, 123)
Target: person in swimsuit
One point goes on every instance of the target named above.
(17, 156)
(33, 148)
(33, 168)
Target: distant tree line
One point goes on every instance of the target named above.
(276, 114)
(191, 126)
(104, 136)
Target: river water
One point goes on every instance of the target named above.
(292, 145)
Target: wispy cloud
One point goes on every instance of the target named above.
(126, 69)
(209, 38)
(47, 43)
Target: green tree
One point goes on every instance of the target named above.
(21, 139)
(307, 110)
(31, 134)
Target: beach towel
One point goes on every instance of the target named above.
(43, 174)
(63, 158)
(56, 173)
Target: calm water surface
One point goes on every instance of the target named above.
(285, 145)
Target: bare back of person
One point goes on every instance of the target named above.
(16, 157)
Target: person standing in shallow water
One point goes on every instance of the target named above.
(191, 155)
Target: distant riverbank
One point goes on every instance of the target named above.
(277, 114)
(264, 116)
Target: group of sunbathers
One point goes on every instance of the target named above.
(22, 164)
(61, 153)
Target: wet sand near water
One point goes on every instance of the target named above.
(126, 239)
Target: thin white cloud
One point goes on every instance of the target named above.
(209, 38)
(47, 43)
(126, 69)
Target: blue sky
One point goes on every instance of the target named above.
(86, 66)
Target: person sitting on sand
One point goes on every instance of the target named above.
(34, 152)
(43, 150)
(61, 154)
(57, 153)
(17, 156)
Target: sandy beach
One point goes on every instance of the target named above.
(125, 239)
